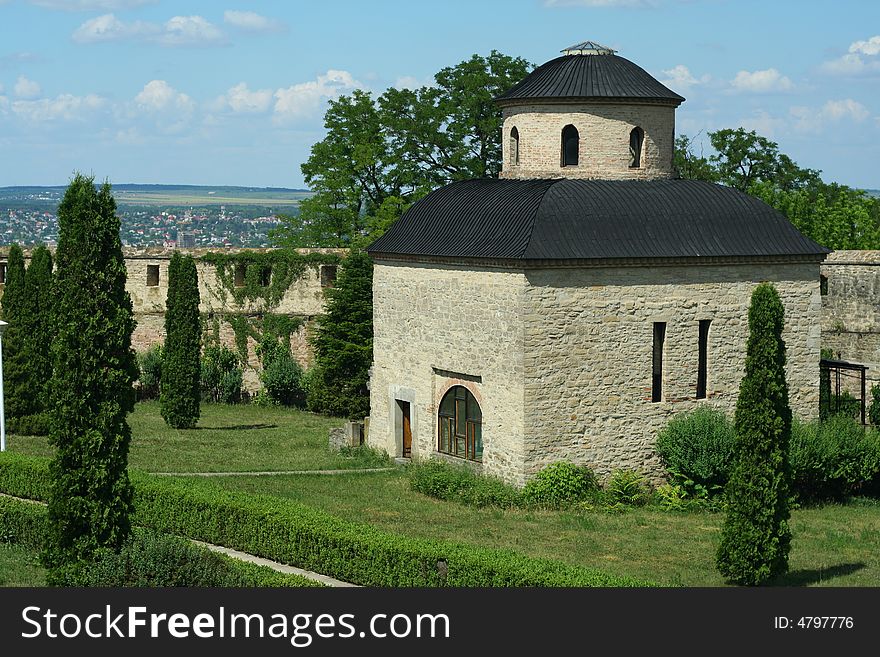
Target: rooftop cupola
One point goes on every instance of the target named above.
(589, 114)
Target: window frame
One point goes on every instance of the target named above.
(465, 414)
(572, 134)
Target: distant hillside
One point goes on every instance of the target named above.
(873, 192)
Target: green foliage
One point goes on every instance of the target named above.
(626, 488)
(833, 215)
(874, 407)
(18, 401)
(37, 333)
(282, 380)
(150, 368)
(295, 534)
(91, 387)
(559, 485)
(343, 342)
(221, 376)
(22, 523)
(380, 155)
(832, 460)
(458, 483)
(697, 446)
(755, 537)
(179, 385)
(37, 424)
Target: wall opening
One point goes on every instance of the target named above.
(265, 276)
(636, 139)
(460, 425)
(514, 145)
(2, 273)
(328, 275)
(703, 358)
(570, 146)
(152, 275)
(823, 285)
(657, 362)
(405, 437)
(240, 272)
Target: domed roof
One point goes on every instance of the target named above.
(564, 219)
(589, 71)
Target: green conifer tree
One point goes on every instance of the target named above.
(15, 370)
(179, 387)
(343, 342)
(755, 537)
(91, 390)
(38, 328)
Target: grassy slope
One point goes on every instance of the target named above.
(19, 567)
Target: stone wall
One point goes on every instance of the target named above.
(304, 299)
(589, 345)
(442, 325)
(851, 309)
(604, 130)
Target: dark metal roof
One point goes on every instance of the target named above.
(591, 219)
(572, 77)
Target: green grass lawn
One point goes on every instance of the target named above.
(832, 545)
(19, 567)
(229, 438)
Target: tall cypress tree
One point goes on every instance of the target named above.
(15, 369)
(755, 537)
(38, 325)
(343, 342)
(91, 390)
(179, 387)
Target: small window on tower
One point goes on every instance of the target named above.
(636, 139)
(328, 275)
(152, 275)
(570, 146)
(514, 145)
(240, 271)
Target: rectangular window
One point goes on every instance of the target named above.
(265, 276)
(240, 272)
(152, 275)
(823, 285)
(328, 275)
(703, 357)
(657, 365)
(2, 273)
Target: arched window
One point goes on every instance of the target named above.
(570, 146)
(460, 430)
(514, 145)
(636, 138)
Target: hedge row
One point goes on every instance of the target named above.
(147, 559)
(291, 533)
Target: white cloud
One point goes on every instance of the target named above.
(177, 31)
(680, 78)
(249, 21)
(766, 81)
(91, 5)
(305, 99)
(411, 82)
(241, 100)
(25, 88)
(810, 119)
(64, 107)
(763, 123)
(191, 31)
(158, 95)
(869, 47)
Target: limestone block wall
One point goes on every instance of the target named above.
(440, 325)
(588, 354)
(851, 308)
(604, 131)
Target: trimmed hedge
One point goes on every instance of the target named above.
(148, 558)
(456, 483)
(291, 533)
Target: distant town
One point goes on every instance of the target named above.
(159, 215)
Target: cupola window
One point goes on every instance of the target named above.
(514, 145)
(636, 138)
(570, 146)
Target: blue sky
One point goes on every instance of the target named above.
(226, 93)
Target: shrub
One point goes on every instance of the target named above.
(292, 533)
(150, 368)
(94, 368)
(282, 380)
(179, 386)
(457, 483)
(697, 446)
(560, 485)
(874, 407)
(627, 488)
(221, 376)
(755, 537)
(30, 425)
(832, 459)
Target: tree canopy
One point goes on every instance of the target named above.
(835, 216)
(382, 154)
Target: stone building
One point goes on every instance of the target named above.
(566, 310)
(147, 284)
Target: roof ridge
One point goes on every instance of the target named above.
(535, 215)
